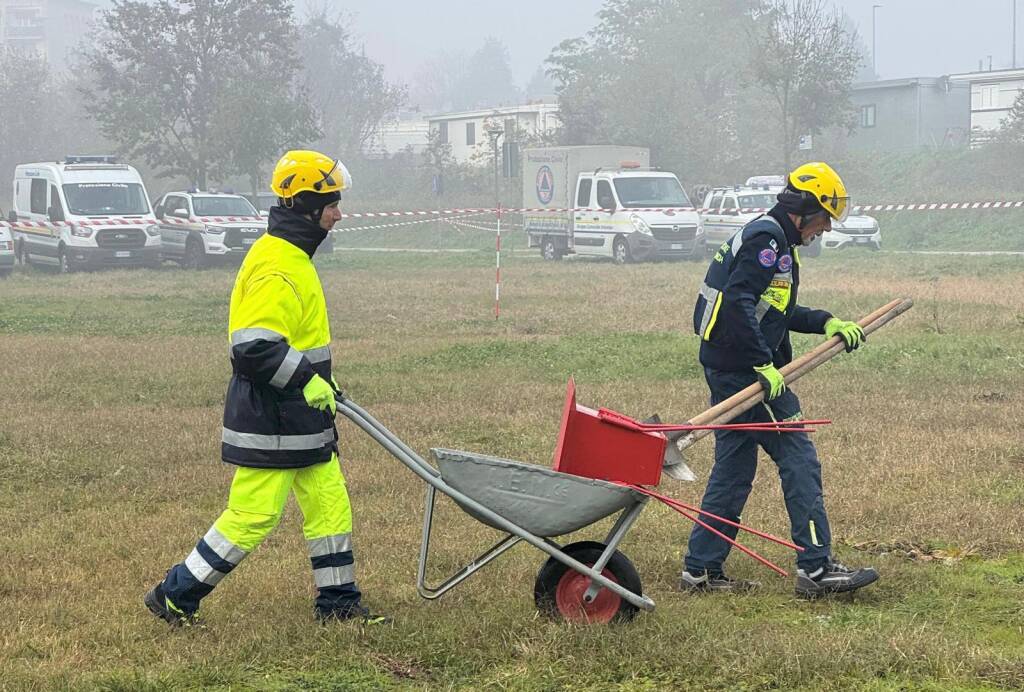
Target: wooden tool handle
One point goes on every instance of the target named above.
(746, 399)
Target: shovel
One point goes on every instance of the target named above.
(675, 465)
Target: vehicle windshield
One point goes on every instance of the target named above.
(101, 199)
(222, 206)
(763, 201)
(651, 192)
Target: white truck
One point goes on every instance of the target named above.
(83, 212)
(200, 228)
(606, 201)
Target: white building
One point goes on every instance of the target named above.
(466, 132)
(992, 97)
(394, 136)
(48, 28)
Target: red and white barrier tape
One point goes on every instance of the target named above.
(449, 219)
(926, 206)
(87, 222)
(174, 220)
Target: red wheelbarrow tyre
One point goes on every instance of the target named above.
(559, 590)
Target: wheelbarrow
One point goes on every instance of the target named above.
(585, 581)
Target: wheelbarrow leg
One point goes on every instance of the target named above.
(615, 536)
(489, 555)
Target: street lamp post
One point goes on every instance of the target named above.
(874, 63)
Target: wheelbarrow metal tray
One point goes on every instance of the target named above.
(545, 503)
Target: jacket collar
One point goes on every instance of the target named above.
(780, 215)
(297, 229)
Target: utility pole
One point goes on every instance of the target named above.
(1014, 61)
(874, 62)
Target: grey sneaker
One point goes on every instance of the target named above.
(833, 577)
(709, 581)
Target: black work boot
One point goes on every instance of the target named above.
(704, 582)
(832, 577)
(357, 613)
(158, 603)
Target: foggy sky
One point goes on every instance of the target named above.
(923, 38)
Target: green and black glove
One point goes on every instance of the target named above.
(771, 380)
(850, 332)
(320, 395)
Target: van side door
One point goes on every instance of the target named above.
(42, 237)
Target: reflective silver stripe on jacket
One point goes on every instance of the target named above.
(334, 576)
(286, 369)
(228, 551)
(241, 336)
(339, 543)
(710, 298)
(201, 569)
(762, 309)
(283, 443)
(318, 355)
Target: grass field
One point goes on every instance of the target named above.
(113, 385)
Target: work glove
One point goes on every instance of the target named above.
(320, 395)
(771, 381)
(850, 332)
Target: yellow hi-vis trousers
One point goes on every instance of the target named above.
(255, 504)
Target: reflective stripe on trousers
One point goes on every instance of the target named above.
(331, 557)
(213, 557)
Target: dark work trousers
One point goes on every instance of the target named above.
(733, 474)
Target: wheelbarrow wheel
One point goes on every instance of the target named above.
(559, 590)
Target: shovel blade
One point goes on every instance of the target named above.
(674, 464)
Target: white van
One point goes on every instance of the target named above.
(83, 212)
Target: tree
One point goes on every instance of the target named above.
(437, 81)
(487, 81)
(540, 85)
(25, 84)
(661, 74)
(165, 75)
(40, 117)
(347, 88)
(1011, 130)
(806, 58)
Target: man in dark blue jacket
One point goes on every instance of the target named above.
(744, 313)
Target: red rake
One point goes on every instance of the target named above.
(691, 512)
(624, 421)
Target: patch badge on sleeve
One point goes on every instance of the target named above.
(785, 263)
(766, 257)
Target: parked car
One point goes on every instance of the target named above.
(6, 252)
(199, 228)
(83, 212)
(856, 231)
(727, 210)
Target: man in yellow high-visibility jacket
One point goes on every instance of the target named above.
(279, 413)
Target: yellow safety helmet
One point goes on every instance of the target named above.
(824, 185)
(308, 171)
